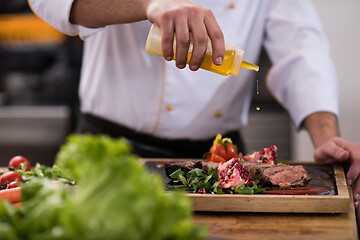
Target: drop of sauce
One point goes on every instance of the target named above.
(257, 92)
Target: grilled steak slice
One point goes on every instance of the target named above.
(285, 176)
(207, 165)
(282, 175)
(255, 171)
(294, 176)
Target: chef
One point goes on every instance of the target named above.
(166, 109)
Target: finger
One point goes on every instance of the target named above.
(354, 170)
(182, 41)
(345, 150)
(356, 192)
(167, 39)
(320, 156)
(353, 174)
(217, 38)
(330, 152)
(200, 42)
(352, 150)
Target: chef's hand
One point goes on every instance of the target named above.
(183, 17)
(340, 150)
(180, 16)
(330, 148)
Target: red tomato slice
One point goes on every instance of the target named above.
(212, 148)
(208, 156)
(230, 151)
(216, 158)
(219, 149)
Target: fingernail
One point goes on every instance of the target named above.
(169, 58)
(194, 67)
(219, 60)
(356, 204)
(357, 197)
(349, 182)
(181, 66)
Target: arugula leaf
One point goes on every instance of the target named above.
(179, 175)
(197, 179)
(256, 188)
(242, 189)
(281, 161)
(217, 189)
(42, 171)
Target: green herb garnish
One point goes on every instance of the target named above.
(197, 179)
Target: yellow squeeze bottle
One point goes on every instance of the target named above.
(232, 62)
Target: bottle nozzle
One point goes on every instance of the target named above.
(250, 66)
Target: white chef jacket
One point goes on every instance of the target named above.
(122, 83)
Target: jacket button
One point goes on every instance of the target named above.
(232, 5)
(217, 113)
(169, 107)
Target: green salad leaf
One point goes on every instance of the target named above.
(281, 161)
(194, 180)
(197, 179)
(115, 198)
(42, 171)
(247, 189)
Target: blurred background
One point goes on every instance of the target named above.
(340, 21)
(39, 74)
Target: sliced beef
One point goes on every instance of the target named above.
(255, 171)
(294, 176)
(285, 176)
(282, 175)
(207, 165)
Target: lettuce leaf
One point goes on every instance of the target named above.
(115, 198)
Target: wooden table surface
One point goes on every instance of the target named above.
(279, 225)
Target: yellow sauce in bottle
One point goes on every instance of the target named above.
(232, 61)
(226, 67)
(208, 64)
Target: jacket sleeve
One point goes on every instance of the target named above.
(303, 76)
(56, 13)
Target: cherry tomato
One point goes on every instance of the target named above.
(15, 162)
(9, 177)
(13, 184)
(219, 149)
(212, 148)
(208, 156)
(230, 151)
(216, 158)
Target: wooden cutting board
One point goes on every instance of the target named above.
(335, 200)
